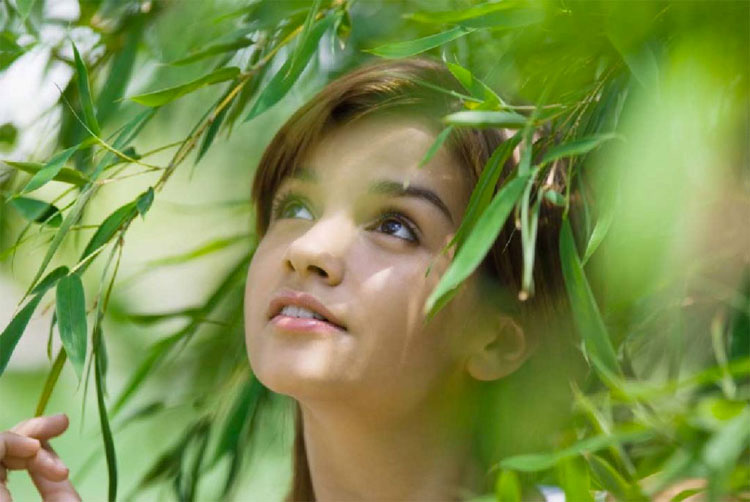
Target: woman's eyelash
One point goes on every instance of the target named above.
(281, 202)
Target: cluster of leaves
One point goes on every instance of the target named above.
(626, 430)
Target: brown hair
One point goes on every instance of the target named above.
(408, 86)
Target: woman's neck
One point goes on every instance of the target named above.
(424, 456)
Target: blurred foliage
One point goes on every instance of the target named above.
(643, 104)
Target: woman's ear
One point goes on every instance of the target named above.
(502, 349)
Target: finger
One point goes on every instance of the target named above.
(48, 465)
(54, 490)
(43, 428)
(17, 445)
(4, 493)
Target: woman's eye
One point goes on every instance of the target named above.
(398, 227)
(291, 208)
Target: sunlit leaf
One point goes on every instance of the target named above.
(476, 87)
(612, 481)
(478, 243)
(144, 201)
(462, 15)
(584, 307)
(164, 96)
(506, 19)
(109, 444)
(12, 333)
(577, 147)
(601, 229)
(574, 479)
(50, 382)
(24, 7)
(288, 74)
(50, 170)
(71, 320)
(84, 91)
(118, 78)
(65, 174)
(481, 118)
(436, 145)
(37, 211)
(508, 487)
(213, 50)
(420, 45)
(203, 250)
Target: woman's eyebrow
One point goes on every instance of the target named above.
(398, 189)
(386, 187)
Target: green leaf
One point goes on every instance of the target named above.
(600, 232)
(574, 479)
(50, 170)
(555, 197)
(461, 15)
(125, 136)
(65, 174)
(612, 481)
(213, 50)
(507, 487)
(50, 280)
(203, 250)
(8, 135)
(585, 311)
(485, 187)
(49, 384)
(436, 145)
(12, 333)
(109, 444)
(37, 211)
(476, 87)
(144, 201)
(306, 27)
(506, 19)
(240, 418)
(213, 129)
(110, 226)
(414, 47)
(481, 118)
(478, 243)
(24, 7)
(68, 222)
(164, 96)
(84, 92)
(71, 320)
(288, 74)
(724, 448)
(577, 147)
(119, 75)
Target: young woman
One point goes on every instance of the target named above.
(390, 406)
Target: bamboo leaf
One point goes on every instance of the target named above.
(506, 19)
(213, 50)
(288, 74)
(585, 311)
(49, 384)
(164, 96)
(84, 92)
(50, 170)
(612, 481)
(555, 198)
(306, 27)
(478, 243)
(12, 333)
(109, 444)
(534, 462)
(485, 187)
(436, 145)
(460, 15)
(144, 201)
(24, 7)
(213, 129)
(241, 416)
(414, 47)
(110, 226)
(508, 487)
(574, 148)
(476, 87)
(574, 479)
(203, 250)
(599, 233)
(65, 174)
(119, 76)
(482, 118)
(71, 320)
(37, 211)
(50, 280)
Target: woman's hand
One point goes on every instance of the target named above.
(25, 446)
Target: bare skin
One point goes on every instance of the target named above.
(26, 447)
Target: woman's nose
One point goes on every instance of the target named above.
(319, 252)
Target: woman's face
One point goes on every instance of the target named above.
(356, 228)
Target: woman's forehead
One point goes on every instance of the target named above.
(381, 149)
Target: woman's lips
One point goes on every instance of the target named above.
(304, 324)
